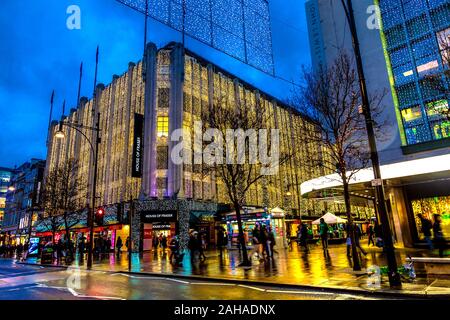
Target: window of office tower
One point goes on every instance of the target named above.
(443, 38)
(162, 126)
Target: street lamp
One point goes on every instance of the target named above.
(11, 188)
(61, 135)
(394, 276)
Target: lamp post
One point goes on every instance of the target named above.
(61, 135)
(394, 276)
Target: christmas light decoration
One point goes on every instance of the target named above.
(239, 28)
(409, 35)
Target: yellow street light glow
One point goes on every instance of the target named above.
(11, 188)
(289, 193)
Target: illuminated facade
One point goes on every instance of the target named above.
(22, 201)
(412, 31)
(5, 178)
(178, 88)
(401, 45)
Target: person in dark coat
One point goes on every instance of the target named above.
(427, 226)
(263, 240)
(323, 232)
(271, 242)
(304, 237)
(371, 235)
(201, 251)
(439, 239)
(164, 242)
(119, 245)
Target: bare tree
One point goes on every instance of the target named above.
(245, 127)
(59, 200)
(440, 81)
(331, 100)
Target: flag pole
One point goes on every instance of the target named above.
(79, 85)
(50, 116)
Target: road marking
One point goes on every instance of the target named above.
(76, 294)
(300, 292)
(213, 284)
(250, 287)
(146, 278)
(176, 280)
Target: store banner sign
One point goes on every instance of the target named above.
(161, 226)
(138, 142)
(158, 216)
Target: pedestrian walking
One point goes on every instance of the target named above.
(220, 240)
(323, 232)
(357, 235)
(255, 240)
(200, 246)
(119, 245)
(439, 239)
(270, 242)
(263, 235)
(174, 246)
(304, 237)
(426, 226)
(371, 235)
(193, 245)
(108, 246)
(164, 242)
(155, 241)
(81, 245)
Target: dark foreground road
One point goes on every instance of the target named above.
(23, 282)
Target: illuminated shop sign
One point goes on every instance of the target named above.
(158, 216)
(136, 171)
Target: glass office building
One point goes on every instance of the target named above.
(413, 34)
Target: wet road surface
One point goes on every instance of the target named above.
(23, 282)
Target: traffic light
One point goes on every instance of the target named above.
(99, 215)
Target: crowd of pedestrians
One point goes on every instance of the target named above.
(12, 250)
(427, 227)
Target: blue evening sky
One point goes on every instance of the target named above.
(38, 54)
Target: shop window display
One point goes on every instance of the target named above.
(430, 206)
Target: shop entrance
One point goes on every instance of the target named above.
(159, 227)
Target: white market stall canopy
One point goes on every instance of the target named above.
(330, 219)
(277, 211)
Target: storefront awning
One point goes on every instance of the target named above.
(424, 166)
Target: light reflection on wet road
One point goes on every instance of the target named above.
(22, 282)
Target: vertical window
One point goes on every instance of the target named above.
(441, 130)
(443, 38)
(439, 107)
(162, 126)
(162, 159)
(411, 114)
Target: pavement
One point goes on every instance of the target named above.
(329, 271)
